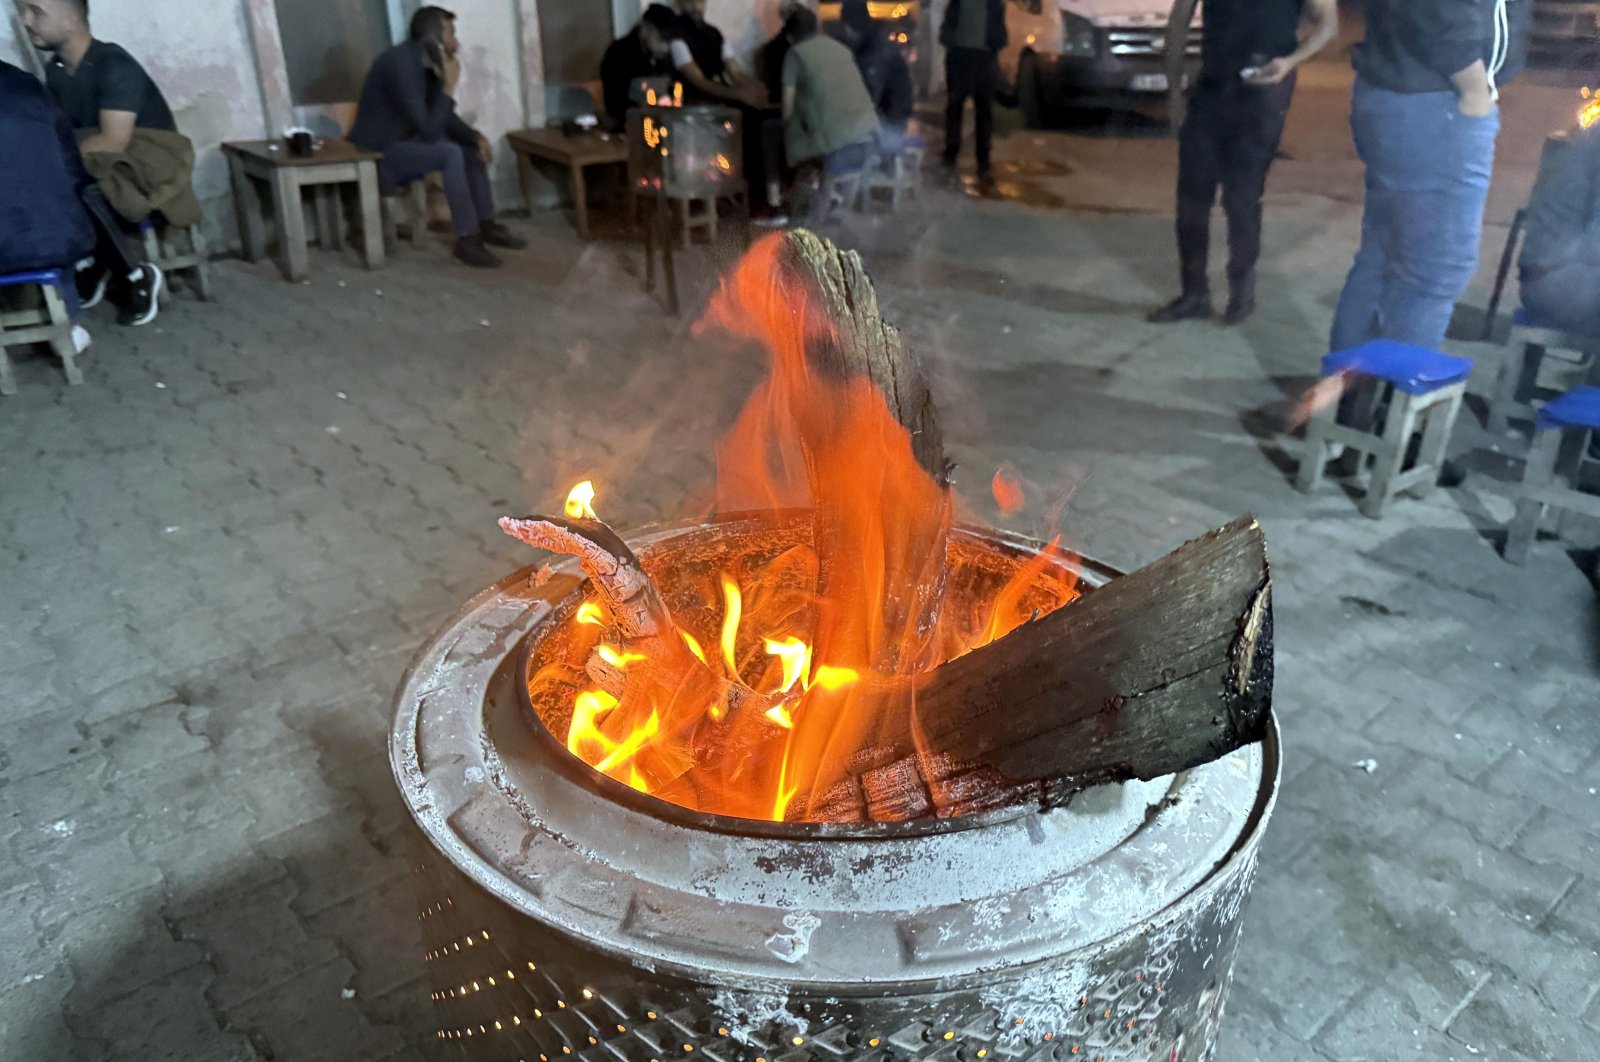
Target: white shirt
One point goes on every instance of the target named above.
(682, 57)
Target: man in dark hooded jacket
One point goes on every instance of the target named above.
(973, 32)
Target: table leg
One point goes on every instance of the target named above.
(580, 201)
(525, 179)
(372, 215)
(247, 207)
(291, 215)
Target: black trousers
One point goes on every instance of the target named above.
(111, 247)
(969, 73)
(1228, 140)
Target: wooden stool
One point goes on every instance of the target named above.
(1422, 390)
(413, 196)
(177, 249)
(1531, 348)
(899, 175)
(53, 323)
(1560, 439)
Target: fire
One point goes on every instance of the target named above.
(580, 501)
(1589, 112)
(808, 639)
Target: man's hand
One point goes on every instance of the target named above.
(485, 149)
(1271, 73)
(1473, 96)
(450, 74)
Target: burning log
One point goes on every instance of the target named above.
(1153, 673)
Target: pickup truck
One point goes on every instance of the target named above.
(1088, 53)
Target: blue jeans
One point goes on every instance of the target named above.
(466, 178)
(1428, 168)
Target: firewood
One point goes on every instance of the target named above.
(1155, 672)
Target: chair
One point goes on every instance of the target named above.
(177, 249)
(899, 174)
(1418, 390)
(54, 323)
(1532, 347)
(1550, 478)
(413, 196)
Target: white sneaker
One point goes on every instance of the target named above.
(81, 338)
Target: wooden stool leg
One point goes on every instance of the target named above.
(1437, 421)
(419, 212)
(61, 342)
(1540, 472)
(8, 379)
(202, 265)
(1505, 388)
(1313, 456)
(1402, 421)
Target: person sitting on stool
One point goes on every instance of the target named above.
(408, 114)
(643, 55)
(828, 117)
(1560, 263)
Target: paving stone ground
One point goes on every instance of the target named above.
(222, 549)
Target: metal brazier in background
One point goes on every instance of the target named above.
(567, 916)
(685, 152)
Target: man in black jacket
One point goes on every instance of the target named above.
(1560, 263)
(1425, 117)
(407, 113)
(973, 32)
(642, 55)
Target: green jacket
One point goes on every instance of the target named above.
(831, 104)
(153, 174)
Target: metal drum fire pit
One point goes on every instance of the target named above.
(566, 915)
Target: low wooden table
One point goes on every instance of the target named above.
(577, 153)
(253, 163)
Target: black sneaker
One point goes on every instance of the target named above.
(1238, 310)
(141, 299)
(91, 279)
(1183, 308)
(497, 235)
(471, 251)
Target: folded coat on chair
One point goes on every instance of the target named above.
(154, 173)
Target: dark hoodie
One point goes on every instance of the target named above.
(1416, 45)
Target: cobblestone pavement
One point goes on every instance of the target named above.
(222, 549)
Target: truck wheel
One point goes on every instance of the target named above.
(1028, 101)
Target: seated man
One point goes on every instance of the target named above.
(130, 145)
(1560, 263)
(710, 74)
(828, 117)
(885, 72)
(642, 55)
(407, 113)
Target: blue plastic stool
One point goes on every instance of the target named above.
(52, 323)
(1550, 478)
(1422, 390)
(1534, 345)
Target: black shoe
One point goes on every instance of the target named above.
(1451, 473)
(471, 251)
(91, 281)
(141, 299)
(1183, 308)
(1238, 310)
(497, 235)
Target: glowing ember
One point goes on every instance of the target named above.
(1589, 113)
(809, 637)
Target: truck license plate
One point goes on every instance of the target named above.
(1148, 83)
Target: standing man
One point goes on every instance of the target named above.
(1425, 117)
(1234, 120)
(129, 143)
(408, 113)
(972, 32)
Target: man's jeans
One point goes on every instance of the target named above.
(1428, 169)
(466, 178)
(1567, 297)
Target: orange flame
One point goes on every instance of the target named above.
(798, 637)
(580, 501)
(1007, 488)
